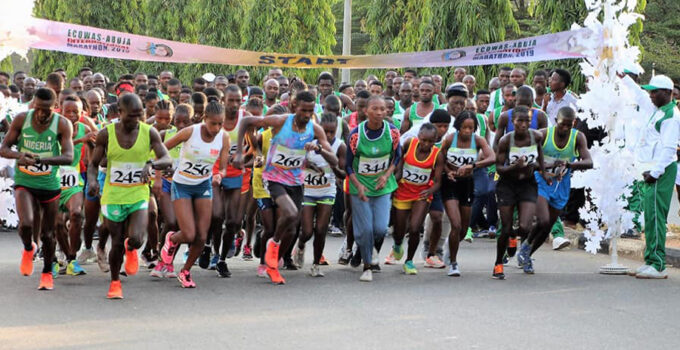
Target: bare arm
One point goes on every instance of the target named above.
(180, 137)
(12, 138)
(65, 134)
(489, 157)
(93, 167)
(326, 151)
(273, 121)
(347, 102)
(542, 120)
(339, 170)
(500, 131)
(585, 162)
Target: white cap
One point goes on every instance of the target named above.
(633, 68)
(659, 82)
(209, 77)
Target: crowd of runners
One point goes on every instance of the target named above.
(146, 164)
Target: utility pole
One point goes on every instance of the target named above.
(347, 37)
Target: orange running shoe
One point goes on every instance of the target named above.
(46, 281)
(323, 261)
(271, 257)
(115, 290)
(131, 260)
(275, 276)
(26, 266)
(498, 272)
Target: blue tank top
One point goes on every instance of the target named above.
(287, 154)
(533, 125)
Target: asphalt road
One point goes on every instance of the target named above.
(565, 305)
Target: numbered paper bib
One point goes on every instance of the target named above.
(550, 160)
(460, 157)
(530, 154)
(373, 166)
(415, 175)
(316, 180)
(286, 158)
(69, 177)
(195, 169)
(126, 174)
(37, 169)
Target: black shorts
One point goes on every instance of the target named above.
(462, 190)
(43, 196)
(296, 193)
(510, 192)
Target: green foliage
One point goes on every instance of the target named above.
(288, 26)
(661, 39)
(6, 65)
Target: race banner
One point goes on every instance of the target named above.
(90, 41)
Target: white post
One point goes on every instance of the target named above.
(347, 37)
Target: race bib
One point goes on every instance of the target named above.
(286, 158)
(195, 169)
(530, 154)
(550, 160)
(415, 175)
(460, 157)
(37, 169)
(316, 180)
(126, 174)
(373, 166)
(69, 177)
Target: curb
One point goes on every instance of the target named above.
(629, 248)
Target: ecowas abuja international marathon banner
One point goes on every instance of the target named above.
(90, 41)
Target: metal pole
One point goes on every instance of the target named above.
(347, 37)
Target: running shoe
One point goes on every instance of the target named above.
(102, 260)
(652, 273)
(375, 259)
(316, 271)
(288, 264)
(257, 246)
(262, 270)
(512, 246)
(46, 281)
(323, 261)
(74, 269)
(185, 279)
(469, 236)
(345, 257)
(61, 258)
(410, 268)
(506, 259)
(560, 243)
(131, 259)
(86, 256)
(149, 259)
(375, 268)
(55, 269)
(213, 262)
(492, 231)
(169, 248)
(115, 290)
(397, 252)
(247, 253)
(528, 267)
(390, 260)
(223, 270)
(26, 267)
(638, 270)
(498, 272)
(299, 256)
(523, 255)
(334, 231)
(434, 262)
(158, 271)
(453, 270)
(481, 234)
(239, 242)
(62, 268)
(275, 276)
(204, 259)
(271, 257)
(366, 276)
(169, 271)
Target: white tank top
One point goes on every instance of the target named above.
(197, 158)
(320, 184)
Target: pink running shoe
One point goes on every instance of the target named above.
(158, 270)
(169, 271)
(168, 250)
(185, 280)
(262, 271)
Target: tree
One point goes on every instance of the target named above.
(661, 39)
(90, 13)
(294, 27)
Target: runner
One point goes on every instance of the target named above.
(319, 193)
(163, 185)
(497, 97)
(43, 140)
(292, 137)
(462, 158)
(519, 154)
(562, 145)
(418, 177)
(420, 110)
(125, 197)
(202, 145)
(374, 153)
(71, 198)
